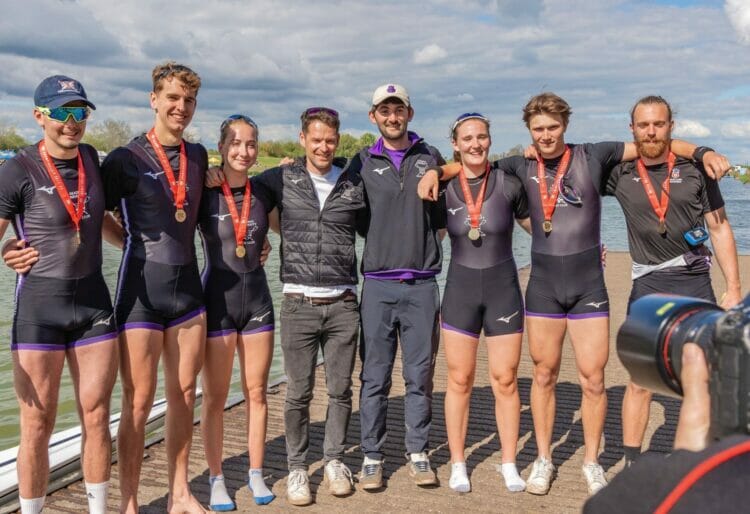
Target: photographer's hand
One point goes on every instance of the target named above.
(695, 414)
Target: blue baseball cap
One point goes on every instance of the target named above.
(58, 90)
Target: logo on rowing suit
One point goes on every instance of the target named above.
(350, 192)
(295, 181)
(506, 319)
(534, 178)
(154, 174)
(421, 166)
(380, 171)
(103, 321)
(454, 210)
(68, 85)
(252, 227)
(675, 178)
(260, 317)
(636, 179)
(596, 305)
(221, 217)
(74, 197)
(47, 189)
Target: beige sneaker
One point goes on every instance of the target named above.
(339, 478)
(594, 475)
(371, 476)
(540, 477)
(298, 488)
(420, 470)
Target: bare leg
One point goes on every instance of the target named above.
(636, 406)
(504, 353)
(545, 347)
(461, 357)
(256, 352)
(36, 377)
(140, 350)
(184, 348)
(590, 338)
(217, 373)
(94, 371)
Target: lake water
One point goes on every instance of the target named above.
(736, 195)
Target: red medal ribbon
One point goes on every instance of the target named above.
(75, 213)
(239, 221)
(660, 206)
(474, 209)
(179, 186)
(549, 199)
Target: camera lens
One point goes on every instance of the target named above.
(650, 341)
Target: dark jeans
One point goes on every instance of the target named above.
(305, 328)
(406, 312)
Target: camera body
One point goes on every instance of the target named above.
(650, 343)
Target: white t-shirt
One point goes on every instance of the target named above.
(324, 184)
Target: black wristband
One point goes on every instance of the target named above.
(700, 152)
(438, 170)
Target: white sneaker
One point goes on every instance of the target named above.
(298, 488)
(594, 475)
(459, 480)
(339, 477)
(540, 477)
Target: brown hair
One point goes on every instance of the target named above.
(651, 99)
(547, 103)
(324, 115)
(233, 120)
(172, 69)
(461, 120)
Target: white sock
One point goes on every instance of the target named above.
(219, 494)
(258, 484)
(459, 480)
(97, 496)
(31, 505)
(513, 480)
(368, 460)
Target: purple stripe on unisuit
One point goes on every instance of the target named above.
(264, 328)
(545, 315)
(93, 340)
(186, 317)
(446, 326)
(140, 324)
(220, 333)
(589, 315)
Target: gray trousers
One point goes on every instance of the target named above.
(406, 312)
(305, 328)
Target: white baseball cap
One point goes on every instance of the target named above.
(390, 91)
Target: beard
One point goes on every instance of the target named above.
(652, 148)
(392, 133)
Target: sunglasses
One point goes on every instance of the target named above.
(172, 69)
(468, 116)
(569, 193)
(312, 111)
(63, 114)
(236, 117)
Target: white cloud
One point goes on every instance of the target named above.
(736, 129)
(690, 128)
(429, 54)
(465, 97)
(738, 12)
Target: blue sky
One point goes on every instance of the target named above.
(271, 60)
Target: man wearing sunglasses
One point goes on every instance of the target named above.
(668, 204)
(53, 195)
(400, 298)
(320, 204)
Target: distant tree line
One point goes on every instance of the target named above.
(348, 146)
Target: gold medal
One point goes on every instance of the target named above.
(180, 215)
(662, 227)
(474, 233)
(240, 251)
(547, 226)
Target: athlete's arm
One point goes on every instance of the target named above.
(214, 177)
(112, 231)
(428, 186)
(273, 220)
(265, 251)
(17, 256)
(716, 165)
(525, 224)
(725, 248)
